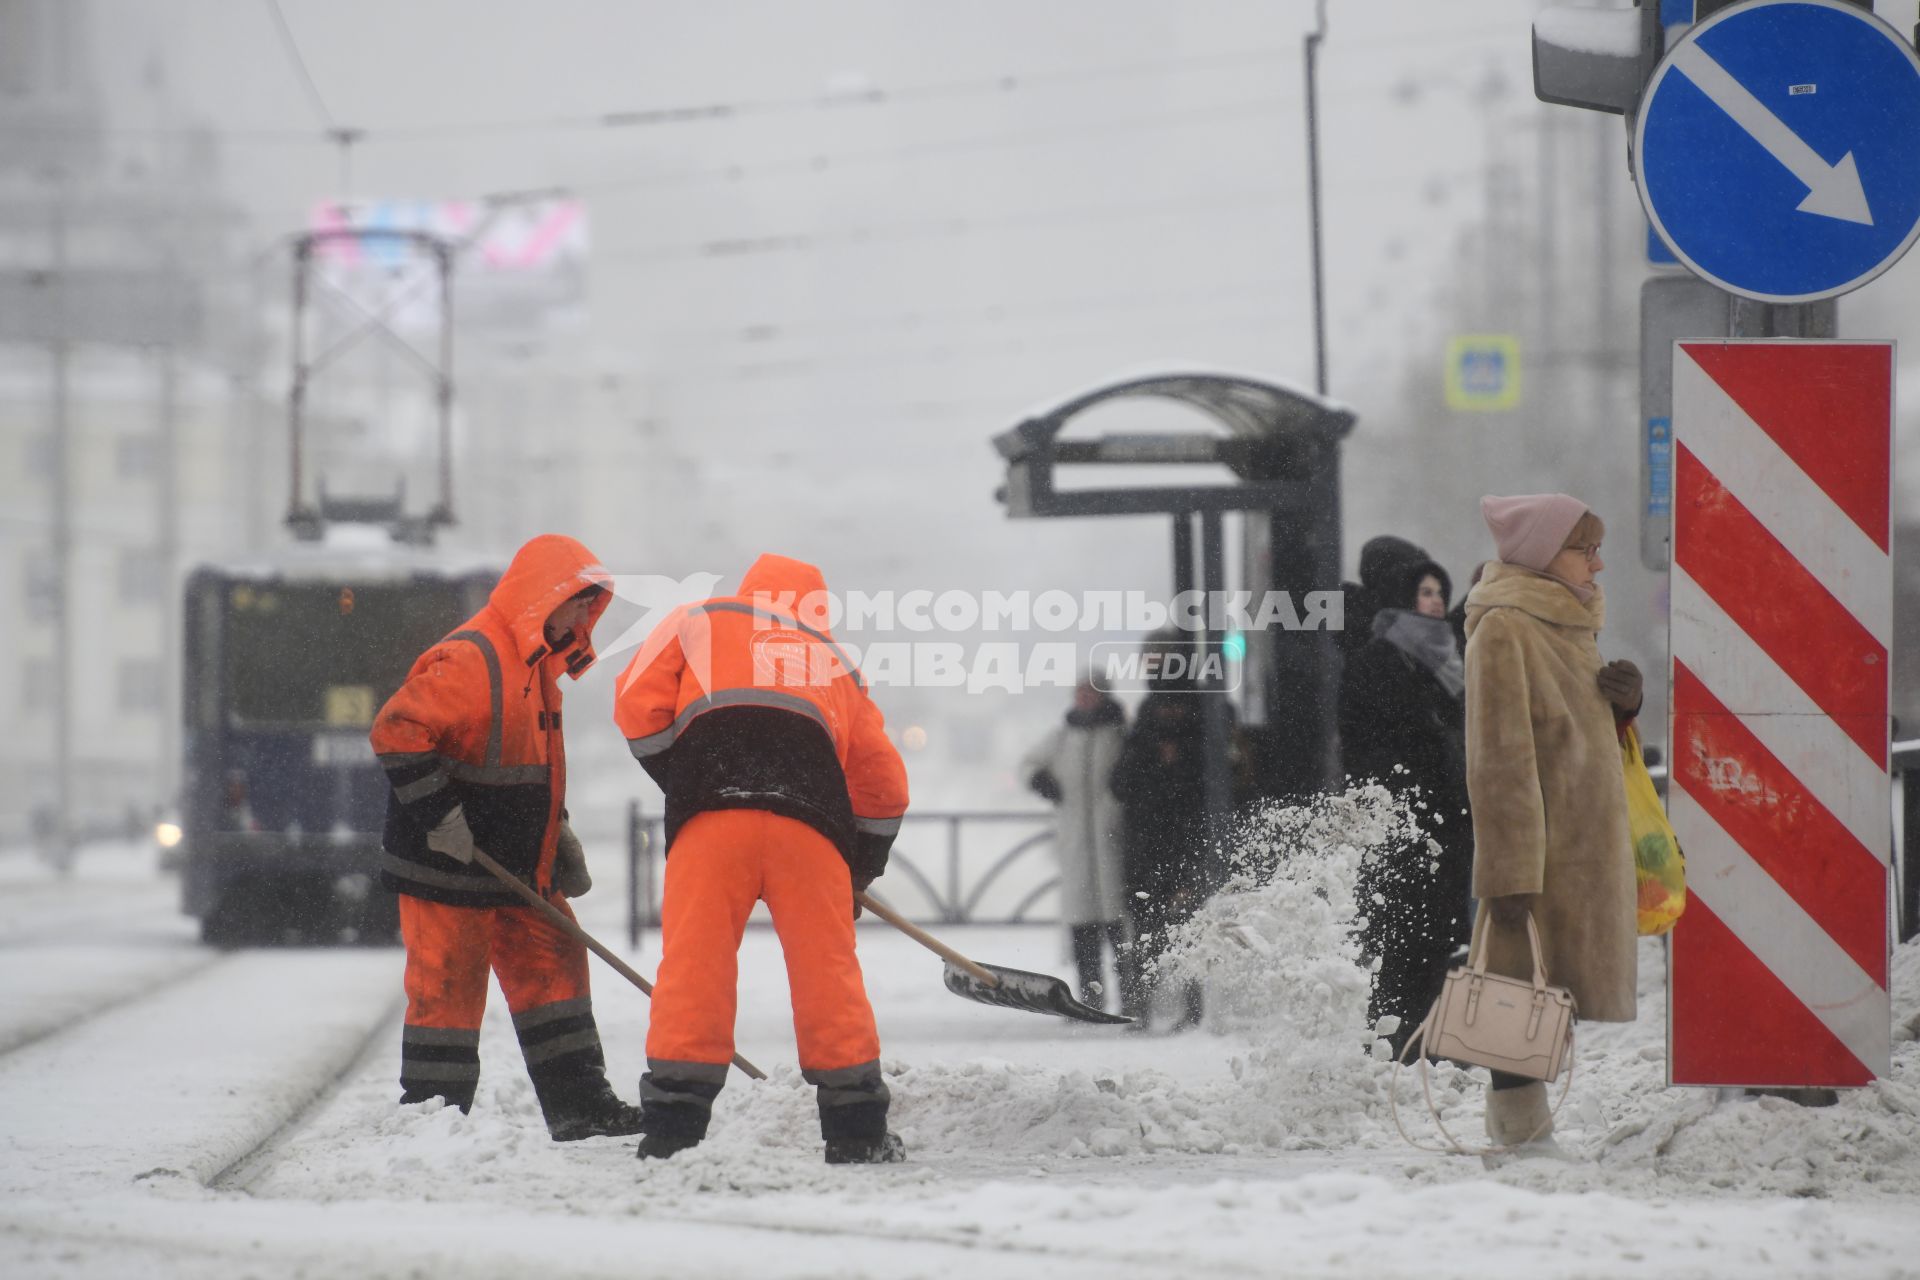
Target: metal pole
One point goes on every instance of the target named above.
(1753, 319)
(1909, 859)
(1314, 37)
(254, 416)
(167, 547)
(60, 426)
(1546, 157)
(1214, 707)
(1603, 180)
(297, 393)
(444, 392)
(249, 417)
(1182, 552)
(956, 909)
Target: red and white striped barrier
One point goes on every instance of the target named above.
(1782, 599)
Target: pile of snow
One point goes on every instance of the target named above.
(1276, 945)
(1614, 33)
(1276, 948)
(1277, 953)
(1291, 907)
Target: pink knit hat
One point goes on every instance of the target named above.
(1530, 528)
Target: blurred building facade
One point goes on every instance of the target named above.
(116, 425)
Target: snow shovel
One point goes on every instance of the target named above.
(586, 939)
(992, 983)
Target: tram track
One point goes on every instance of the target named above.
(240, 1174)
(15, 1040)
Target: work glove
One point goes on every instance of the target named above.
(1620, 684)
(1045, 785)
(453, 837)
(863, 877)
(570, 864)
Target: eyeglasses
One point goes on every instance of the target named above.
(1590, 552)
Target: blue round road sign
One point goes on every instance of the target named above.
(1778, 149)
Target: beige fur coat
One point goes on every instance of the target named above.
(1543, 773)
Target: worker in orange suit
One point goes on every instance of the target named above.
(471, 745)
(782, 787)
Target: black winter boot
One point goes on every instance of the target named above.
(660, 1146)
(588, 1109)
(569, 1072)
(885, 1149)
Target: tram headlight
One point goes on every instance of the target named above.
(167, 834)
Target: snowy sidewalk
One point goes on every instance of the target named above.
(1037, 1147)
(1035, 1143)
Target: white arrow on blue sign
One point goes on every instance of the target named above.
(1778, 149)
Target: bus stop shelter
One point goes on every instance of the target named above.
(1282, 448)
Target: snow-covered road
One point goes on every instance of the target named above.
(147, 1088)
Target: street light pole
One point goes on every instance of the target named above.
(60, 431)
(1314, 37)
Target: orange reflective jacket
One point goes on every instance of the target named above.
(736, 703)
(477, 724)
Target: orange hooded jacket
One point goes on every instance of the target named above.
(738, 703)
(477, 724)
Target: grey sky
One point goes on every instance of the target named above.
(808, 318)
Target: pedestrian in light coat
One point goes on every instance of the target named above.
(1071, 769)
(1550, 828)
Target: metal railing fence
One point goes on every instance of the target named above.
(989, 866)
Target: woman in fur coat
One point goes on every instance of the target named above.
(1550, 829)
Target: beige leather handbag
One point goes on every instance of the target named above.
(1506, 1024)
(1489, 1020)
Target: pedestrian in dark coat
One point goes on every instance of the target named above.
(1162, 786)
(1403, 724)
(1384, 563)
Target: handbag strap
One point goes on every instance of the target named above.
(1454, 1146)
(1477, 949)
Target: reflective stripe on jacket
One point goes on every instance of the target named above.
(738, 703)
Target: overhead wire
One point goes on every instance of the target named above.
(942, 90)
(343, 138)
(665, 115)
(1002, 140)
(1052, 338)
(968, 87)
(896, 321)
(937, 228)
(292, 46)
(640, 117)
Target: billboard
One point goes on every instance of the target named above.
(519, 268)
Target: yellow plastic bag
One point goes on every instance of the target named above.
(1660, 872)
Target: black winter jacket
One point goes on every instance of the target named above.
(1161, 783)
(1393, 712)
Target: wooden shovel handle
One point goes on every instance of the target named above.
(574, 931)
(924, 938)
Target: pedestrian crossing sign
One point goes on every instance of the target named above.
(1483, 372)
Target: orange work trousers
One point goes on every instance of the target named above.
(543, 974)
(723, 861)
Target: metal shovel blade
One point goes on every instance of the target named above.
(1020, 989)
